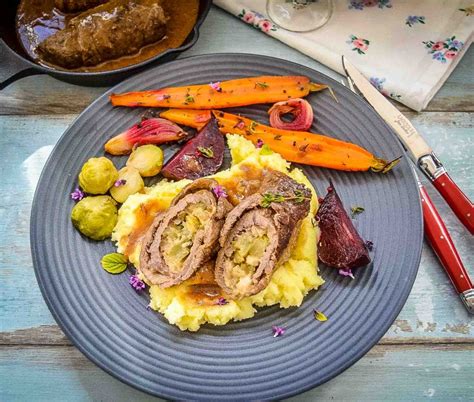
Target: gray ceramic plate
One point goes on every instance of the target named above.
(109, 322)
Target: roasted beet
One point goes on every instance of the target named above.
(199, 157)
(340, 246)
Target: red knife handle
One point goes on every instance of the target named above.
(443, 246)
(457, 200)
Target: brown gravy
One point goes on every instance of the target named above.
(202, 288)
(144, 216)
(243, 184)
(38, 19)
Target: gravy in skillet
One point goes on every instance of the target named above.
(38, 19)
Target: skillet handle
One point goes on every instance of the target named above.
(20, 74)
(17, 67)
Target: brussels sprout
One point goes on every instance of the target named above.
(147, 159)
(95, 217)
(97, 175)
(129, 182)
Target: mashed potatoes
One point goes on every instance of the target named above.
(290, 282)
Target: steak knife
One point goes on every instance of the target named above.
(440, 240)
(420, 151)
(435, 230)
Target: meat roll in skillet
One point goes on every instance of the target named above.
(111, 30)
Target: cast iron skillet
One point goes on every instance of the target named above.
(26, 67)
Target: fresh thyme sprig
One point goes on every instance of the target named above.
(262, 85)
(268, 198)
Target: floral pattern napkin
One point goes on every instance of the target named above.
(406, 48)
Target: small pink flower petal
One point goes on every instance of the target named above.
(347, 272)
(278, 331)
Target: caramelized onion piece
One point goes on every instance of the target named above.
(150, 131)
(301, 111)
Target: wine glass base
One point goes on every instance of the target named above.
(300, 15)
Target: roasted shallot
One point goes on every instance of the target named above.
(150, 131)
(301, 111)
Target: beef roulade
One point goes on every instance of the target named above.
(184, 237)
(258, 234)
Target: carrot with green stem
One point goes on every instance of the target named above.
(218, 95)
(295, 146)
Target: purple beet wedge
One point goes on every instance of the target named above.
(200, 156)
(340, 246)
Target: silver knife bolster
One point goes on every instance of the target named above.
(431, 166)
(468, 299)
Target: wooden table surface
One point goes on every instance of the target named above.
(427, 353)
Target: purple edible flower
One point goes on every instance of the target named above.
(221, 301)
(347, 272)
(216, 86)
(120, 182)
(260, 143)
(136, 283)
(278, 331)
(219, 191)
(77, 194)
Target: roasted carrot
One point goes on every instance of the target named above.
(187, 117)
(239, 92)
(296, 146)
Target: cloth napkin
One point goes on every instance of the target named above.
(406, 48)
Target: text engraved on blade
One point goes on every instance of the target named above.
(405, 126)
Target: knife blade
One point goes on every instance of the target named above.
(420, 151)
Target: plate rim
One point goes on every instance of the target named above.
(374, 338)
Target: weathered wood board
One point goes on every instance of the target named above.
(386, 373)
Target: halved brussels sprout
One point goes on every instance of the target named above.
(147, 159)
(95, 217)
(97, 175)
(129, 182)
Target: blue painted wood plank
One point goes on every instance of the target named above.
(386, 373)
(25, 145)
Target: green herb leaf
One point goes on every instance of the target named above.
(268, 198)
(318, 315)
(266, 150)
(252, 126)
(299, 196)
(206, 152)
(356, 211)
(262, 85)
(114, 263)
(189, 99)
